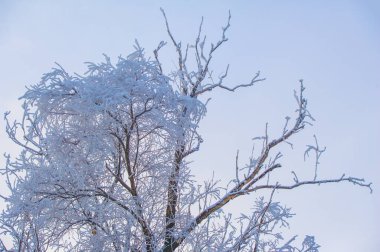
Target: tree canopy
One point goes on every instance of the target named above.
(105, 162)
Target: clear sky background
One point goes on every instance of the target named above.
(333, 45)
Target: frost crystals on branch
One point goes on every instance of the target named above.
(105, 162)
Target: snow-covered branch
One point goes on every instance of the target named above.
(105, 162)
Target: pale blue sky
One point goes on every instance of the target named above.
(333, 45)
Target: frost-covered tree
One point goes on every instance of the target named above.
(105, 162)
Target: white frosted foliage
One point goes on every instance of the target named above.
(106, 163)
